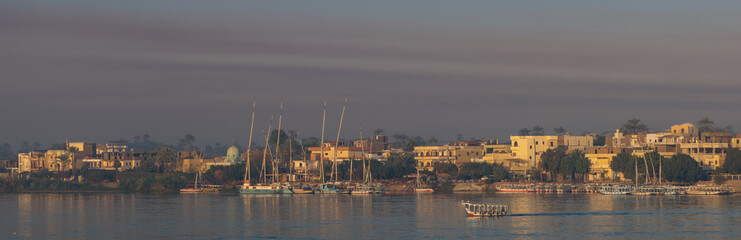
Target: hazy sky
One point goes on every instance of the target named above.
(102, 70)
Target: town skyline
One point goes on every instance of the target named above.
(483, 71)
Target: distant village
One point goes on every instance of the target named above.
(521, 155)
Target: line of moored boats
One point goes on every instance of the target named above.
(612, 189)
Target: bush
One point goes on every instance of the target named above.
(719, 180)
(144, 182)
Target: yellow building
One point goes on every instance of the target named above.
(502, 154)
(736, 141)
(686, 129)
(530, 148)
(334, 153)
(459, 153)
(601, 158)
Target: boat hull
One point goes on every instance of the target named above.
(265, 190)
(424, 190)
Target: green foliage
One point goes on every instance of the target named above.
(448, 168)
(559, 131)
(732, 164)
(719, 180)
(223, 174)
(144, 182)
(682, 168)
(396, 166)
(599, 140)
(45, 184)
(474, 170)
(551, 161)
(163, 159)
(524, 132)
(499, 173)
(117, 164)
(99, 175)
(634, 126)
(575, 166)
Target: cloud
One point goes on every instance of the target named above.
(76, 73)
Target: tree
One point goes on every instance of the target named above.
(187, 141)
(61, 161)
(459, 137)
(682, 168)
(634, 126)
(449, 168)
(599, 140)
(732, 164)
(719, 180)
(165, 158)
(705, 125)
(624, 163)
(524, 132)
(432, 141)
(575, 166)
(537, 131)
(73, 150)
(117, 164)
(559, 131)
(550, 161)
(474, 170)
(378, 131)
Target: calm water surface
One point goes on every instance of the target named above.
(228, 216)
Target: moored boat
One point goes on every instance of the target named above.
(616, 190)
(708, 190)
(520, 188)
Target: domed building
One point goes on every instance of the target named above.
(232, 155)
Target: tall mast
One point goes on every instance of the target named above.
(368, 175)
(290, 156)
(248, 176)
(321, 143)
(303, 154)
(265, 151)
(362, 152)
(334, 155)
(277, 143)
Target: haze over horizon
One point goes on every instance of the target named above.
(99, 71)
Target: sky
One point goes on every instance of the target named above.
(104, 70)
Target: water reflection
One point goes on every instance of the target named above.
(197, 216)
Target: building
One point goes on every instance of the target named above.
(709, 150)
(530, 148)
(334, 153)
(83, 148)
(461, 152)
(377, 144)
(502, 154)
(601, 158)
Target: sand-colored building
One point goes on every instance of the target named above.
(459, 153)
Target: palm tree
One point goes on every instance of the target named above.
(705, 125)
(634, 126)
(559, 130)
(73, 150)
(537, 130)
(61, 161)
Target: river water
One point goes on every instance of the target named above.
(231, 216)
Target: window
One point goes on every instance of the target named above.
(551, 144)
(515, 143)
(531, 147)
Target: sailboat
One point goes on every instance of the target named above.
(330, 188)
(303, 189)
(262, 187)
(367, 186)
(199, 187)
